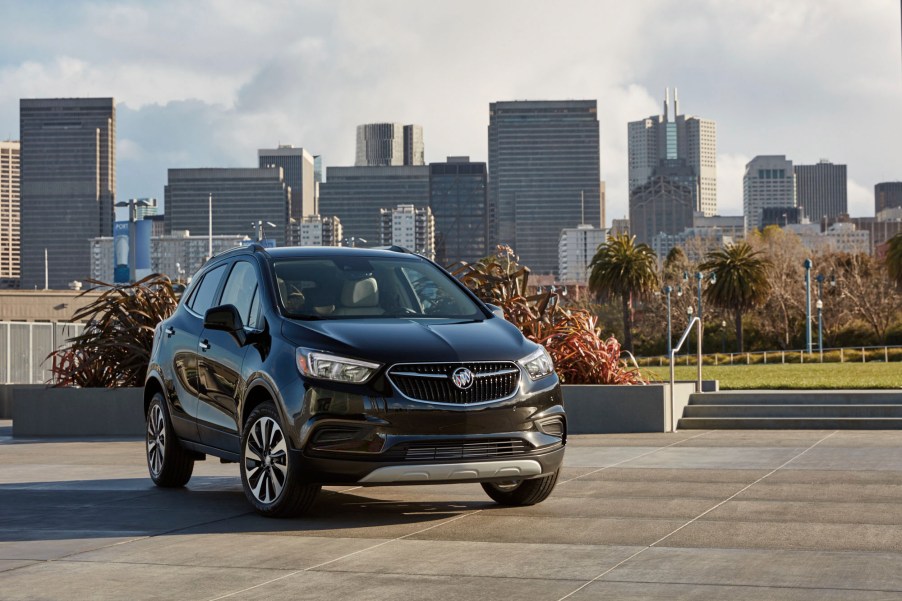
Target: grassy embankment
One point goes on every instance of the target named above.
(791, 376)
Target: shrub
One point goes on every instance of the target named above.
(114, 348)
(571, 336)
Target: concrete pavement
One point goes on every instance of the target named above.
(740, 515)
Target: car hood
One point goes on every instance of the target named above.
(398, 340)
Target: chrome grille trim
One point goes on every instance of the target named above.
(466, 450)
(494, 381)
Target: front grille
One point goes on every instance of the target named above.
(465, 450)
(431, 382)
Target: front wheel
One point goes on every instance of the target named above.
(169, 464)
(521, 492)
(270, 479)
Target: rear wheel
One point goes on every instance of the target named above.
(169, 464)
(521, 492)
(270, 479)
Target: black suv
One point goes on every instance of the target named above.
(313, 366)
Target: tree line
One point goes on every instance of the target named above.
(754, 293)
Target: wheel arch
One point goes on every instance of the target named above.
(152, 386)
(258, 392)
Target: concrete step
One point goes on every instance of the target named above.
(794, 411)
(798, 397)
(789, 423)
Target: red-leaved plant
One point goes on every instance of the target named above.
(114, 348)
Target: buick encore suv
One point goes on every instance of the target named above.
(327, 366)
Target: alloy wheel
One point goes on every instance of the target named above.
(156, 440)
(266, 460)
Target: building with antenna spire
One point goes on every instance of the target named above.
(682, 145)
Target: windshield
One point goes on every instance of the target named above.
(357, 287)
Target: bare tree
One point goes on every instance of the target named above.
(865, 283)
(784, 310)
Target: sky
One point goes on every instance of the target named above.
(206, 83)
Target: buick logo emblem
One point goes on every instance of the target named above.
(462, 378)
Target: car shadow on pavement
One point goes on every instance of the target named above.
(131, 507)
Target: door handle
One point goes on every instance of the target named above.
(204, 345)
(170, 331)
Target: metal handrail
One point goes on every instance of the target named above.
(698, 385)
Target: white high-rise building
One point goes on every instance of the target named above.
(576, 248)
(769, 182)
(9, 214)
(679, 142)
(320, 231)
(410, 227)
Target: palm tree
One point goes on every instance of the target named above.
(894, 258)
(623, 268)
(741, 282)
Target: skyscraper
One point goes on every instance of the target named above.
(822, 190)
(298, 167)
(684, 141)
(241, 198)
(459, 202)
(68, 185)
(389, 145)
(887, 195)
(543, 175)
(9, 214)
(660, 206)
(356, 194)
(769, 181)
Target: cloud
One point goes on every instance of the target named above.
(208, 82)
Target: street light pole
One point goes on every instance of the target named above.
(807, 265)
(820, 318)
(820, 328)
(667, 291)
(723, 337)
(689, 319)
(698, 279)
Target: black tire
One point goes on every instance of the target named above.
(169, 464)
(523, 492)
(271, 480)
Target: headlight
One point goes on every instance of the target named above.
(333, 367)
(537, 365)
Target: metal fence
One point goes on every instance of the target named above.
(855, 354)
(24, 347)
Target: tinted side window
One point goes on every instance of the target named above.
(203, 298)
(239, 289)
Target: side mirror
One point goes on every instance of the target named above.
(226, 319)
(496, 310)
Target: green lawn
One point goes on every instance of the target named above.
(799, 376)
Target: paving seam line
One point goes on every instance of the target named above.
(696, 518)
(601, 469)
(227, 595)
(325, 563)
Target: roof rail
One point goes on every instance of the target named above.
(397, 249)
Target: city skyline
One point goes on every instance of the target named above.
(772, 76)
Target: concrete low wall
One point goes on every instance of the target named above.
(599, 409)
(6, 397)
(76, 412)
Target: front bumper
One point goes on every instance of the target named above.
(362, 472)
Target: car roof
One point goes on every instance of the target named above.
(292, 252)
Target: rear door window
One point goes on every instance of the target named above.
(206, 292)
(240, 290)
